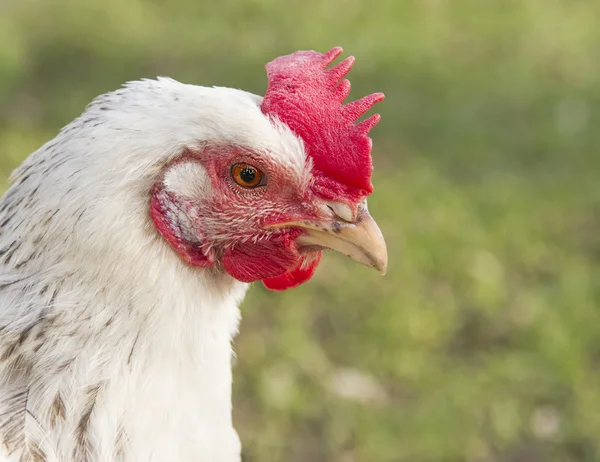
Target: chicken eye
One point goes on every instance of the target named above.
(246, 175)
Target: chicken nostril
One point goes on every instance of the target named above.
(342, 211)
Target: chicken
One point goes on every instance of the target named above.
(128, 241)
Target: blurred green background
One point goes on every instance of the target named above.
(482, 343)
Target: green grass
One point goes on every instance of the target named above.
(482, 343)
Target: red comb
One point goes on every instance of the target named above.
(308, 97)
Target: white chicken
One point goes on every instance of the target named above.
(128, 241)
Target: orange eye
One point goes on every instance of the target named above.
(246, 175)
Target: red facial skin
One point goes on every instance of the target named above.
(227, 229)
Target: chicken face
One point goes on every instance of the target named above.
(266, 215)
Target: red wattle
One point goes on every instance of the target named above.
(296, 276)
(251, 262)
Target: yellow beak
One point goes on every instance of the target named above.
(360, 239)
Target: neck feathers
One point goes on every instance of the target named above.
(102, 327)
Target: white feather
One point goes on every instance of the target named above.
(117, 329)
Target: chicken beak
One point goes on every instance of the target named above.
(360, 239)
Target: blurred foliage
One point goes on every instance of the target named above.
(482, 343)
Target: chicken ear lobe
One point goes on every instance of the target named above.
(161, 213)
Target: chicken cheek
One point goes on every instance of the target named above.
(251, 262)
(297, 275)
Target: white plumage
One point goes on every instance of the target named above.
(112, 317)
(112, 348)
